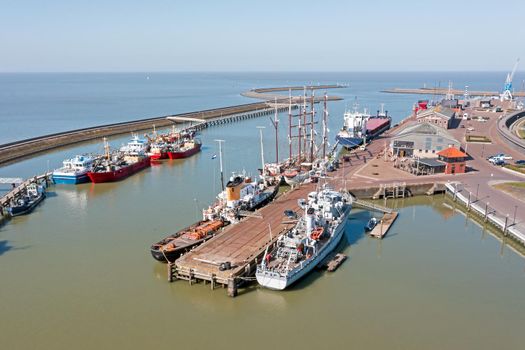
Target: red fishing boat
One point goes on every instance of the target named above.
(158, 151)
(115, 167)
(186, 149)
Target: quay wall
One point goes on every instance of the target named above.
(370, 192)
(482, 209)
(15, 151)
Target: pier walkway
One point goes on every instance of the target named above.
(239, 246)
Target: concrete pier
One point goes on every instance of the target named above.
(18, 150)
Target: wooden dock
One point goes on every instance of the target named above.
(231, 257)
(384, 225)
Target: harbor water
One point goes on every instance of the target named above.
(77, 272)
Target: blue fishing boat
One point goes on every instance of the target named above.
(74, 171)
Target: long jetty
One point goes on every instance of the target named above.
(444, 91)
(269, 94)
(14, 151)
(18, 150)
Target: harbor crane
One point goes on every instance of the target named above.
(507, 90)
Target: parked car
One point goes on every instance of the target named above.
(496, 160)
(504, 156)
(520, 162)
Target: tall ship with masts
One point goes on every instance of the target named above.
(306, 160)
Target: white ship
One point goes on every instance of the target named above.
(305, 245)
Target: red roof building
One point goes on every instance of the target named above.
(455, 160)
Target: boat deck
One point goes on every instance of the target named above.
(240, 245)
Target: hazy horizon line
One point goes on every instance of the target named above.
(254, 71)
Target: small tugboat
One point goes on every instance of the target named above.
(241, 193)
(24, 205)
(306, 244)
(118, 166)
(170, 248)
(185, 149)
(371, 224)
(74, 171)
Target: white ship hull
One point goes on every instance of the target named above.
(276, 281)
(297, 179)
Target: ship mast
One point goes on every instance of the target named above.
(220, 162)
(275, 123)
(106, 148)
(290, 122)
(312, 114)
(262, 146)
(325, 117)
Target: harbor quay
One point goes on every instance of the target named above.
(439, 148)
(373, 172)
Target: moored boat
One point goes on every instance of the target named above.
(307, 243)
(371, 224)
(73, 171)
(170, 248)
(24, 205)
(185, 149)
(118, 166)
(158, 151)
(241, 194)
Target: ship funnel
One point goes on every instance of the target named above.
(310, 221)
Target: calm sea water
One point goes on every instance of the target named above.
(77, 272)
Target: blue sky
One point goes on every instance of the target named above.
(373, 35)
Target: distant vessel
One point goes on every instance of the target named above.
(185, 149)
(73, 171)
(170, 248)
(24, 205)
(359, 127)
(118, 166)
(305, 245)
